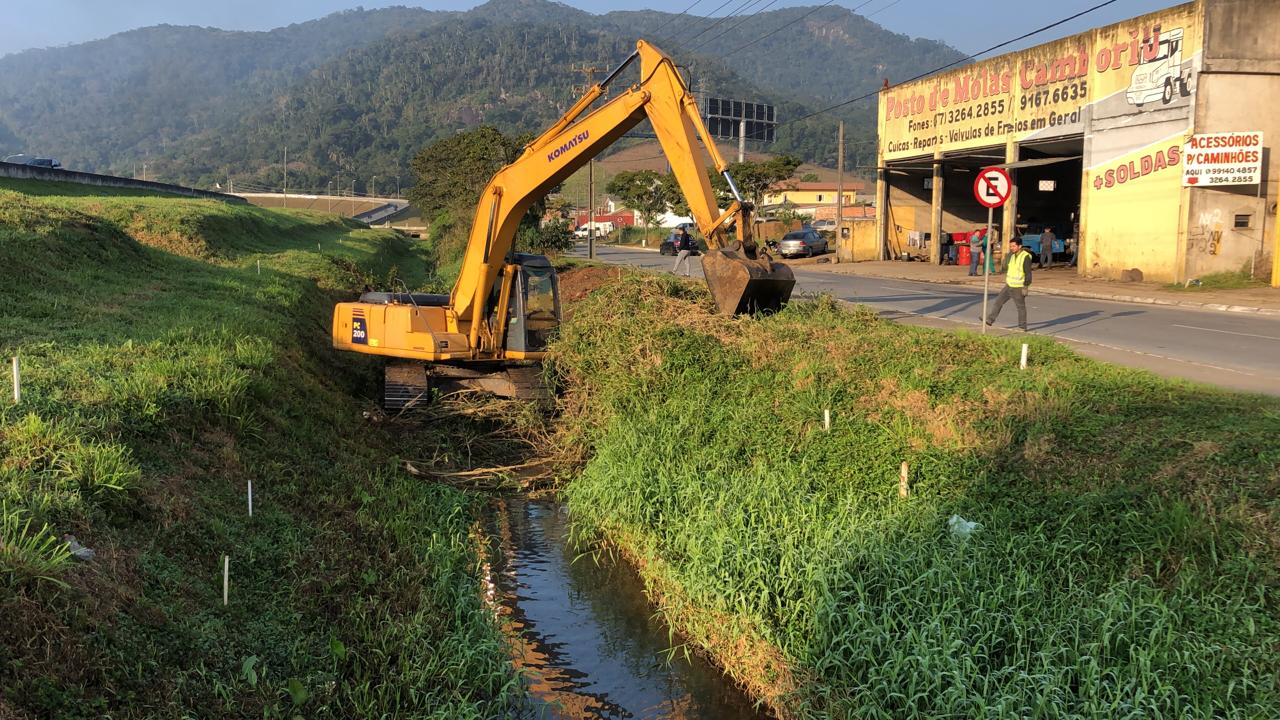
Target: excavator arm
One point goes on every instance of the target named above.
(740, 278)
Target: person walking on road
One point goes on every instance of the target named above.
(1017, 281)
(683, 245)
(1046, 247)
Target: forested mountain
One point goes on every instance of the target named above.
(105, 104)
(359, 92)
(370, 111)
(830, 52)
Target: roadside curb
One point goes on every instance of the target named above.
(628, 247)
(1136, 299)
(1219, 307)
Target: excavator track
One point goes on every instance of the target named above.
(405, 386)
(408, 385)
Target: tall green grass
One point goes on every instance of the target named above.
(163, 370)
(1126, 562)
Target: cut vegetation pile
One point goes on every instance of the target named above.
(163, 371)
(1124, 565)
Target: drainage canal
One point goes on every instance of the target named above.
(586, 637)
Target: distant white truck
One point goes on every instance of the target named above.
(601, 228)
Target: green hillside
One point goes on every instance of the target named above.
(163, 372)
(355, 94)
(106, 105)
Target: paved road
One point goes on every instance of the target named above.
(1231, 350)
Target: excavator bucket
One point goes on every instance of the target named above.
(746, 282)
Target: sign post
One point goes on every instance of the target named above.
(1275, 256)
(992, 188)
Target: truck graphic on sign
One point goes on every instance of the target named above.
(1161, 77)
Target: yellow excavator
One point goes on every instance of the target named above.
(491, 331)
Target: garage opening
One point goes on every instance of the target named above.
(1048, 175)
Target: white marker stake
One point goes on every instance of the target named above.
(826, 419)
(250, 498)
(902, 480)
(226, 575)
(259, 267)
(317, 247)
(17, 382)
(1023, 364)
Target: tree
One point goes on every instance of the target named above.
(755, 178)
(643, 191)
(454, 170)
(550, 239)
(809, 177)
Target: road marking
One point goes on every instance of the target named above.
(918, 292)
(1081, 342)
(1227, 332)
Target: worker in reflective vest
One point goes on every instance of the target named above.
(1017, 281)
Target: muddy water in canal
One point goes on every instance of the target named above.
(586, 638)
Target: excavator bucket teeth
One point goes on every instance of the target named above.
(741, 284)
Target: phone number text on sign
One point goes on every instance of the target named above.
(1223, 159)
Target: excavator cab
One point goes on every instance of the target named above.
(533, 310)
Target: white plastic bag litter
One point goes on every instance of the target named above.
(77, 550)
(960, 528)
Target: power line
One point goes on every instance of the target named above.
(738, 24)
(675, 17)
(786, 26)
(713, 12)
(740, 8)
(922, 75)
(886, 7)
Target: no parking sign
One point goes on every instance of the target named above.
(992, 187)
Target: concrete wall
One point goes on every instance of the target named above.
(1241, 61)
(861, 244)
(31, 172)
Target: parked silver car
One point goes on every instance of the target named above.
(802, 243)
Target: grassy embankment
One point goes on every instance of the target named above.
(161, 373)
(1127, 556)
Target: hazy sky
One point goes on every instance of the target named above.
(969, 26)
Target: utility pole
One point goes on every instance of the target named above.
(742, 140)
(839, 190)
(590, 71)
(285, 168)
(397, 186)
(591, 210)
(144, 172)
(328, 197)
(373, 187)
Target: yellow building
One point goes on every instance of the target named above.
(809, 194)
(1104, 133)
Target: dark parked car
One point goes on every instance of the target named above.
(802, 243)
(668, 246)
